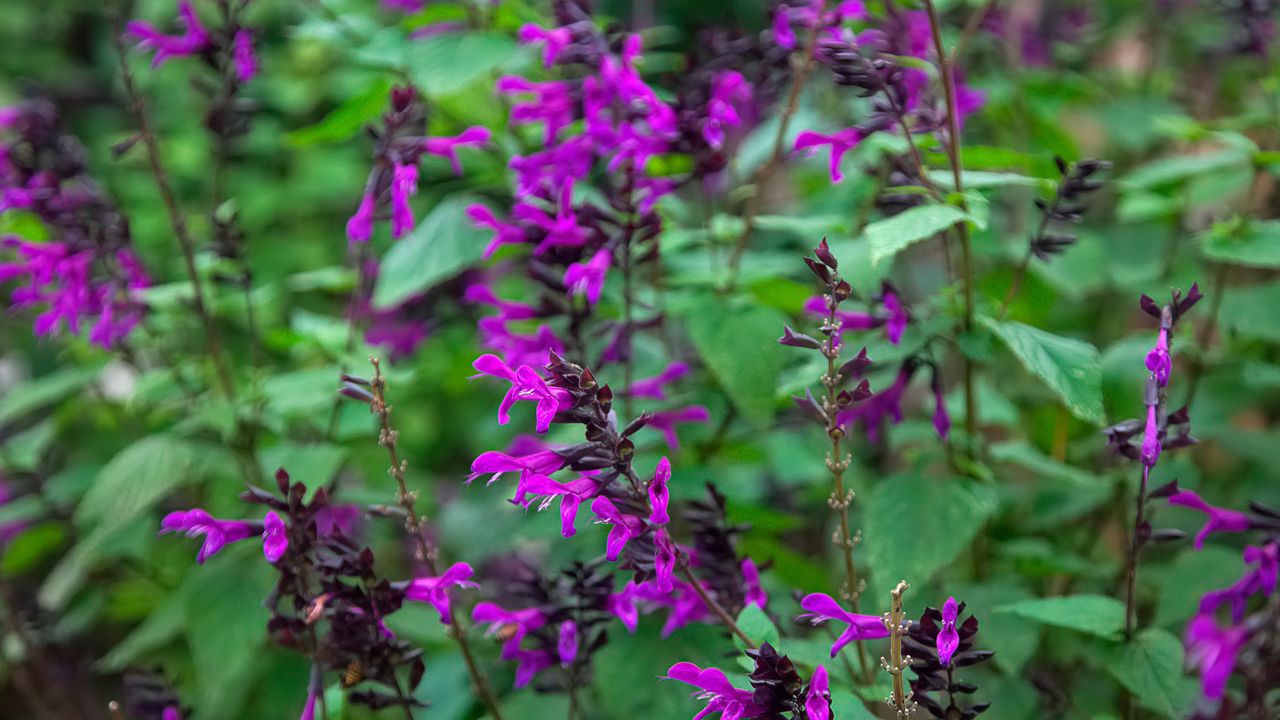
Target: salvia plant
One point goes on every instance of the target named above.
(777, 360)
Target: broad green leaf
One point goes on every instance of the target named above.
(33, 545)
(47, 390)
(135, 480)
(1070, 367)
(160, 627)
(1256, 244)
(892, 235)
(1168, 170)
(810, 228)
(227, 639)
(756, 624)
(750, 379)
(914, 526)
(984, 180)
(444, 63)
(1091, 614)
(1250, 311)
(346, 120)
(313, 465)
(847, 706)
(1013, 638)
(1150, 667)
(444, 243)
(1191, 574)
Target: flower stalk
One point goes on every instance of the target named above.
(895, 621)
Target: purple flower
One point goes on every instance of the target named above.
(571, 494)
(721, 696)
(435, 590)
(404, 184)
(309, 710)
(1220, 519)
(941, 420)
(948, 638)
(817, 305)
(728, 91)
(1158, 361)
(562, 230)
(567, 643)
(519, 623)
(552, 104)
(1213, 651)
(817, 702)
(754, 592)
(217, 533)
(555, 39)
(623, 606)
(483, 217)
(360, 226)
(659, 497)
(872, 411)
(1151, 438)
(534, 465)
(859, 627)
(193, 40)
(275, 537)
(171, 713)
(447, 147)
(1260, 580)
(335, 518)
(653, 387)
(588, 278)
(664, 560)
(896, 323)
(484, 295)
(246, 63)
(839, 144)
(625, 527)
(666, 420)
(525, 385)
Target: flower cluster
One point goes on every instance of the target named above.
(938, 644)
(1067, 206)
(398, 148)
(777, 690)
(227, 47)
(86, 275)
(1215, 650)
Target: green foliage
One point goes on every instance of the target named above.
(1150, 666)
(445, 242)
(748, 379)
(891, 236)
(1091, 614)
(1068, 366)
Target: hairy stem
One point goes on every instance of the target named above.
(426, 554)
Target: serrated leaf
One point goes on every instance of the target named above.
(892, 235)
(1091, 614)
(135, 480)
(227, 640)
(915, 525)
(1250, 310)
(748, 378)
(444, 243)
(1255, 245)
(35, 394)
(1150, 667)
(1168, 170)
(442, 64)
(1071, 368)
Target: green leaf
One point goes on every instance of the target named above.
(749, 379)
(757, 625)
(810, 228)
(345, 121)
(914, 525)
(313, 465)
(1250, 311)
(445, 63)
(32, 546)
(227, 640)
(984, 180)
(892, 235)
(1071, 368)
(438, 248)
(1150, 667)
(135, 480)
(160, 627)
(1256, 244)
(1169, 170)
(1014, 639)
(1092, 614)
(47, 390)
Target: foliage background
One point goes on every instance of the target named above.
(101, 452)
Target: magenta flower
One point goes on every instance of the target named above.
(941, 419)
(817, 702)
(1260, 580)
(567, 643)
(525, 385)
(1158, 360)
(551, 104)
(1220, 519)
(571, 494)
(721, 696)
(948, 638)
(729, 90)
(817, 305)
(246, 63)
(872, 411)
(659, 497)
(839, 143)
(1213, 651)
(171, 713)
(859, 627)
(562, 230)
(623, 606)
(535, 465)
(217, 533)
(529, 663)
(275, 537)
(193, 40)
(309, 709)
(515, 624)
(360, 226)
(483, 217)
(665, 422)
(534, 349)
(625, 527)
(404, 184)
(447, 147)
(435, 590)
(555, 40)
(653, 387)
(754, 593)
(664, 560)
(896, 323)
(477, 292)
(587, 279)
(1151, 438)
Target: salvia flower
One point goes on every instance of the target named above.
(525, 385)
(447, 147)
(1218, 520)
(940, 644)
(659, 496)
(817, 702)
(654, 387)
(822, 608)
(567, 647)
(714, 687)
(1213, 651)
(948, 638)
(435, 590)
(193, 40)
(218, 533)
(838, 143)
(587, 279)
(246, 63)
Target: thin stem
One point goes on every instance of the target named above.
(714, 606)
(407, 499)
(1018, 275)
(837, 463)
(771, 165)
(971, 27)
(962, 228)
(1135, 545)
(176, 219)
